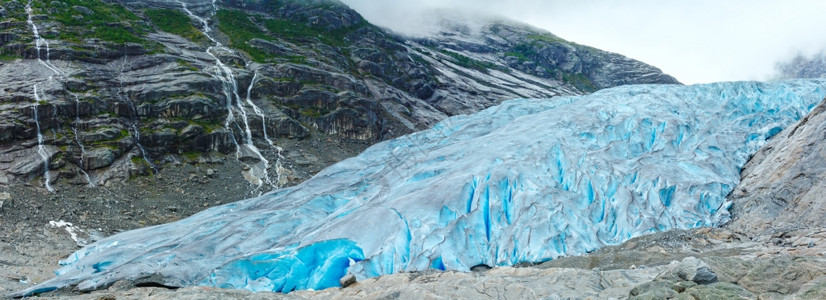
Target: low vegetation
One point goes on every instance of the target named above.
(580, 81)
(83, 19)
(546, 38)
(175, 22)
(241, 27)
(528, 52)
(467, 62)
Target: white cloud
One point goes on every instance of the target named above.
(693, 40)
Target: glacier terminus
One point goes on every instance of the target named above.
(526, 181)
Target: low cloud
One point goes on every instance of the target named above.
(696, 41)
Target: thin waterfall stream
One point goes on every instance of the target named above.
(258, 172)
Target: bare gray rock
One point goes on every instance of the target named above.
(98, 158)
(689, 269)
(783, 186)
(347, 280)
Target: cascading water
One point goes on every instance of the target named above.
(79, 142)
(41, 150)
(38, 41)
(133, 111)
(278, 164)
(258, 110)
(258, 172)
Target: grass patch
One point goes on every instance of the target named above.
(470, 63)
(546, 38)
(314, 112)
(241, 27)
(580, 81)
(523, 52)
(291, 30)
(187, 65)
(191, 155)
(6, 56)
(105, 21)
(296, 59)
(137, 160)
(176, 22)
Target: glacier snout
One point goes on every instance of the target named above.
(526, 181)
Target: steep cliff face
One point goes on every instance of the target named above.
(507, 59)
(95, 92)
(783, 186)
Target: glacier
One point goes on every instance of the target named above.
(526, 181)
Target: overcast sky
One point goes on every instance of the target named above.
(696, 41)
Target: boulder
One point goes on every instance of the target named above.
(689, 269)
(347, 280)
(98, 158)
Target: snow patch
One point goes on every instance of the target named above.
(70, 228)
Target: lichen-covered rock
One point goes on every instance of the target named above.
(815, 289)
(689, 269)
(782, 275)
(654, 290)
(720, 290)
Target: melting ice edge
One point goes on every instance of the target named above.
(526, 181)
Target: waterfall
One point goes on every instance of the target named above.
(79, 142)
(38, 41)
(258, 110)
(133, 111)
(234, 105)
(40, 149)
(278, 166)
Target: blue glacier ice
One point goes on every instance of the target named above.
(526, 181)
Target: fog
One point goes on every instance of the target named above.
(696, 41)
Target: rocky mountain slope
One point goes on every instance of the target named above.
(783, 187)
(97, 92)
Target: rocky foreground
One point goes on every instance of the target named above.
(699, 264)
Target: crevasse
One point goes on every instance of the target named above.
(526, 181)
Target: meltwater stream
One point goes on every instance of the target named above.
(526, 181)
